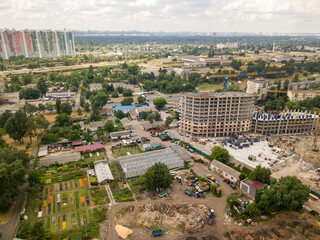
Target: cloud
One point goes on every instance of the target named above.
(163, 15)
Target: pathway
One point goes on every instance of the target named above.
(8, 228)
(109, 192)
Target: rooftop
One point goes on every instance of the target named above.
(137, 164)
(215, 94)
(93, 147)
(225, 168)
(103, 171)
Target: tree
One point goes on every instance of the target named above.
(150, 118)
(233, 200)
(30, 109)
(35, 181)
(50, 106)
(42, 85)
(66, 108)
(158, 176)
(38, 232)
(156, 116)
(99, 100)
(127, 101)
(159, 102)
(13, 165)
(109, 126)
(73, 135)
(34, 124)
(16, 126)
(114, 94)
(87, 107)
(4, 117)
(58, 104)
(127, 93)
(261, 174)
(82, 101)
(141, 100)
(119, 114)
(30, 93)
(220, 154)
(289, 193)
(41, 107)
(119, 89)
(27, 78)
(168, 121)
(253, 210)
(79, 111)
(63, 120)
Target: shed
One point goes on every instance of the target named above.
(89, 148)
(76, 143)
(250, 187)
(43, 151)
(103, 171)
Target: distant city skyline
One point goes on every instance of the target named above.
(267, 16)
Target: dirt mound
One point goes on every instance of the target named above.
(183, 217)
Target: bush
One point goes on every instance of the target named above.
(99, 214)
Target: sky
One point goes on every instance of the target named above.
(298, 16)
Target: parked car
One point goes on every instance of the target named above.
(231, 185)
(226, 180)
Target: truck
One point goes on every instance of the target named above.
(157, 232)
(211, 217)
(188, 192)
(210, 177)
(163, 193)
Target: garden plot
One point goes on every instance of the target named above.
(65, 205)
(126, 150)
(92, 157)
(119, 188)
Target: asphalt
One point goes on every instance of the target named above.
(8, 228)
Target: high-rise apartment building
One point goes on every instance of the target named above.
(34, 43)
(210, 114)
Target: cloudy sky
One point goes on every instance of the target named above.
(164, 15)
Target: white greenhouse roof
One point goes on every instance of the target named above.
(137, 164)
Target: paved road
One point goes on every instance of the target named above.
(8, 228)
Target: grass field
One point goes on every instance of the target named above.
(123, 150)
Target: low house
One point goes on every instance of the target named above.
(95, 86)
(60, 95)
(225, 171)
(103, 171)
(119, 70)
(147, 126)
(250, 187)
(120, 135)
(94, 126)
(126, 123)
(10, 97)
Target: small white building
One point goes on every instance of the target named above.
(224, 171)
(103, 171)
(62, 94)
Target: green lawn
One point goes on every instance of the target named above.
(76, 196)
(79, 218)
(123, 150)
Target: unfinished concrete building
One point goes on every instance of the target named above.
(283, 123)
(258, 87)
(210, 114)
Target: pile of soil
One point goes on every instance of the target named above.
(183, 217)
